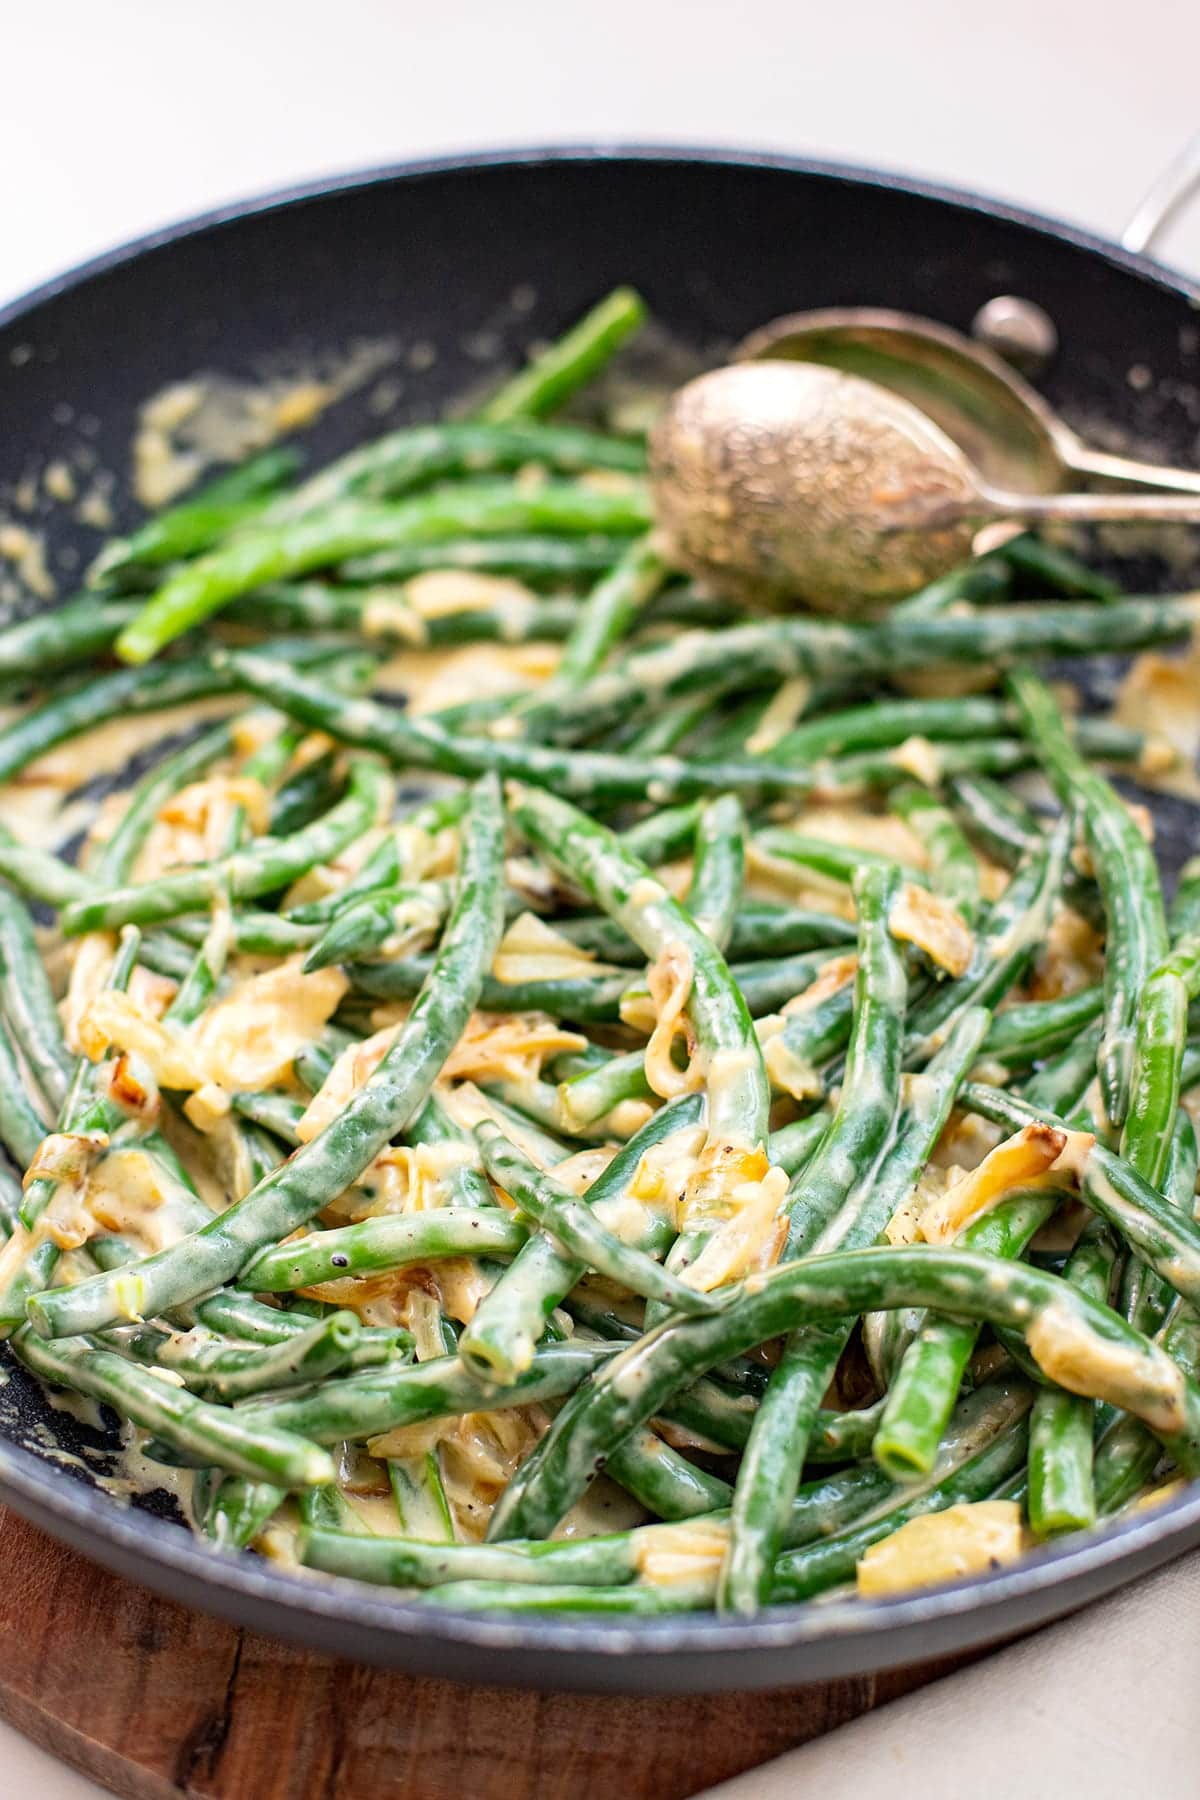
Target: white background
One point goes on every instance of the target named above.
(118, 115)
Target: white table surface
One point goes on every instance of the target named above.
(119, 117)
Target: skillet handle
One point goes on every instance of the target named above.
(1168, 195)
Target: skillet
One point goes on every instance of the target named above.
(476, 257)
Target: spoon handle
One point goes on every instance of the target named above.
(1081, 509)
(1128, 469)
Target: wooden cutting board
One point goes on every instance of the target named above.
(155, 1701)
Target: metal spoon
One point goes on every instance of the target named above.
(1015, 440)
(790, 481)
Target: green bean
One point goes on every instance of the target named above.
(220, 1371)
(239, 1511)
(832, 1194)
(1046, 566)
(1023, 1034)
(1128, 876)
(351, 527)
(28, 1003)
(259, 933)
(21, 1127)
(63, 635)
(197, 1427)
(335, 1158)
(639, 1379)
(820, 1508)
(575, 1226)
(1061, 1426)
(631, 1599)
(200, 983)
(925, 1385)
(555, 373)
(384, 614)
(589, 1098)
(261, 869)
(1004, 946)
(1145, 1297)
(663, 1481)
(790, 1147)
(605, 617)
(364, 1406)
(1005, 828)
(666, 832)
(1059, 1085)
(1183, 919)
(39, 875)
(998, 821)
(420, 1499)
(251, 1321)
(1127, 1453)
(377, 1245)
(107, 696)
(1160, 1032)
(664, 733)
(416, 456)
(498, 1343)
(423, 744)
(953, 870)
(823, 857)
(717, 869)
(716, 662)
(90, 703)
(381, 869)
(1165, 1238)
(277, 1113)
(392, 917)
(582, 999)
(198, 520)
(535, 558)
(311, 789)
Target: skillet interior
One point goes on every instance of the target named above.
(477, 259)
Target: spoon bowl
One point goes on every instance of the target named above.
(782, 481)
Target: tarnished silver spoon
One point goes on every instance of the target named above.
(789, 481)
(1004, 426)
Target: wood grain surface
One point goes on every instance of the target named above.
(155, 1701)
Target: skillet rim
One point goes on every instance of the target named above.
(686, 1652)
(602, 150)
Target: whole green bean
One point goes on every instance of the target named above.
(1136, 939)
(214, 1433)
(423, 744)
(717, 662)
(200, 518)
(28, 1005)
(364, 1406)
(555, 373)
(375, 1246)
(1062, 1426)
(351, 527)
